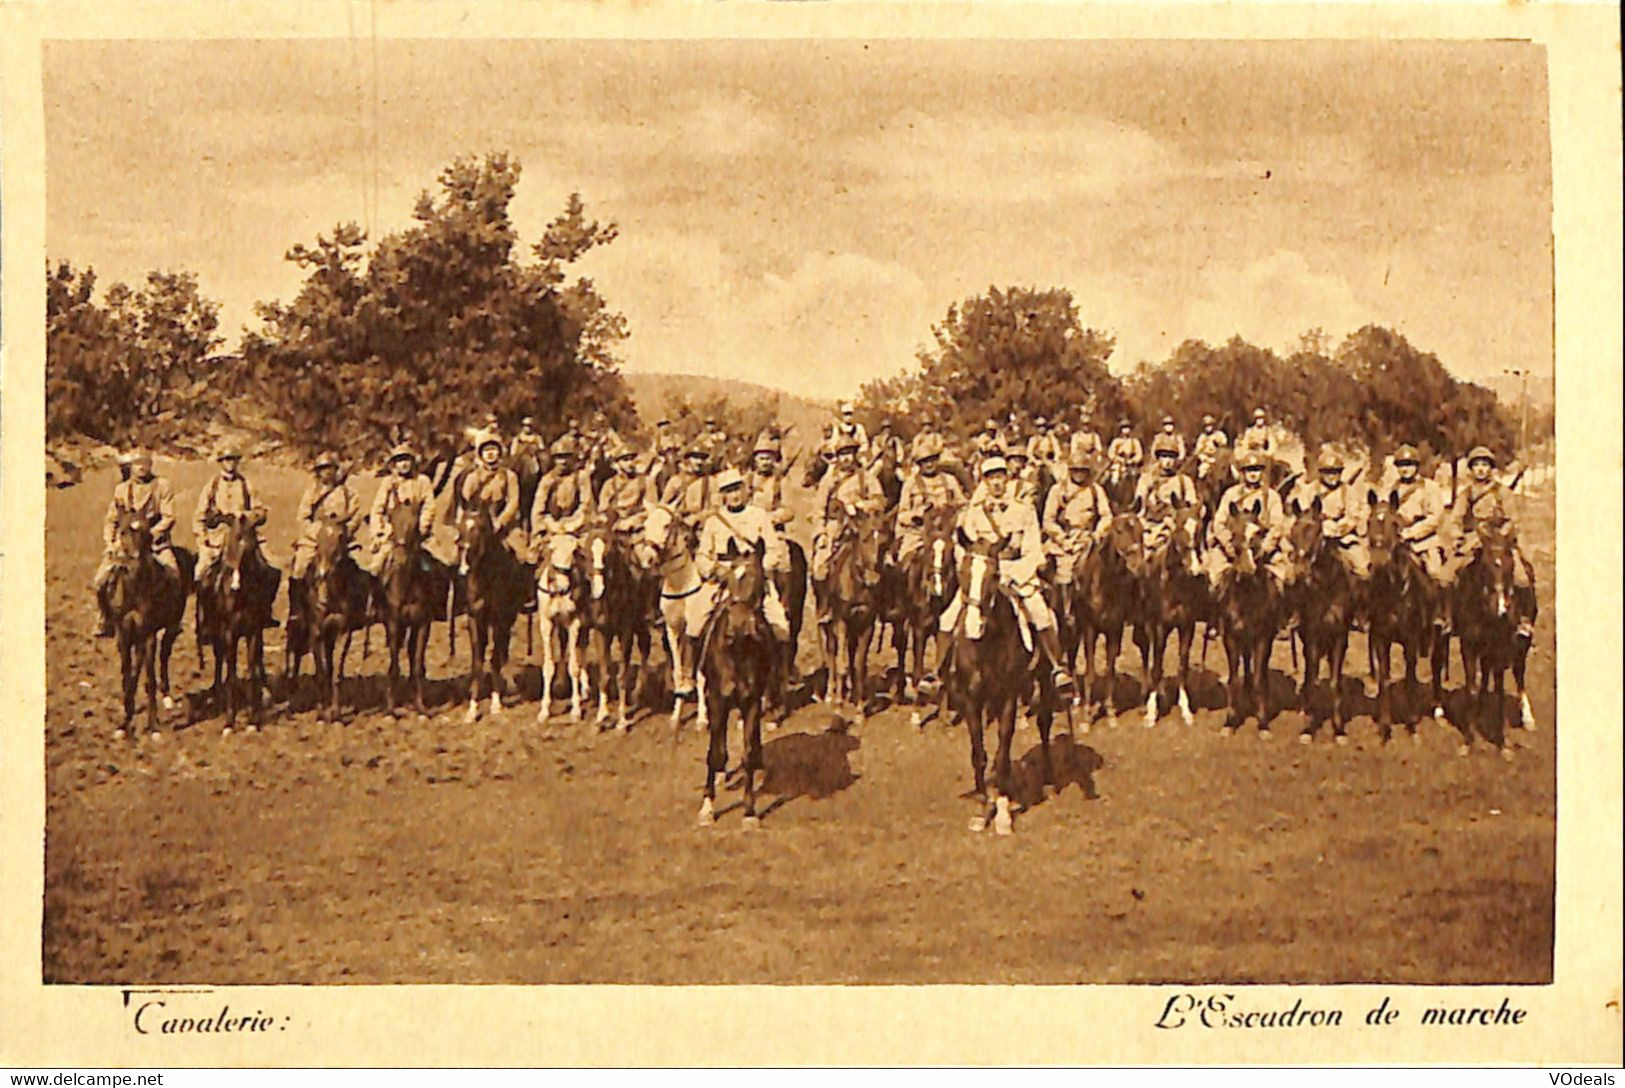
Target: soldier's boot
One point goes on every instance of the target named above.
(950, 615)
(1049, 641)
(104, 615)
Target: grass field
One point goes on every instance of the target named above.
(432, 851)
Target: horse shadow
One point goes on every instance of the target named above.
(807, 765)
(1071, 762)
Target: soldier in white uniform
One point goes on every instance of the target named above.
(737, 523)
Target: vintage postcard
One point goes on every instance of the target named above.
(971, 534)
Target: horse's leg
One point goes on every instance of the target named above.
(501, 638)
(1108, 673)
(1377, 657)
(1339, 651)
(572, 649)
(1156, 641)
(1410, 688)
(1520, 664)
(1235, 681)
(751, 719)
(231, 641)
(716, 762)
(1003, 778)
(975, 723)
(255, 666)
(861, 676)
(1187, 635)
(1306, 701)
(127, 679)
(167, 644)
(392, 635)
(544, 710)
(477, 635)
(1260, 677)
(418, 661)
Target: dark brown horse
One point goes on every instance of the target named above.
(848, 601)
(234, 602)
(1322, 598)
(148, 604)
(736, 667)
(1489, 609)
(1251, 609)
(1403, 611)
(495, 587)
(1173, 597)
(332, 601)
(1105, 600)
(413, 588)
(619, 606)
(991, 669)
(791, 586)
(924, 586)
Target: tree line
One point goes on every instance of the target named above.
(411, 336)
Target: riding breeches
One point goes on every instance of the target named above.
(1029, 599)
(710, 596)
(1467, 550)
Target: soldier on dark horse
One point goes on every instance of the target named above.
(765, 483)
(330, 517)
(1125, 457)
(847, 544)
(925, 574)
(495, 580)
(736, 648)
(1172, 592)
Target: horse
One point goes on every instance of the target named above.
(148, 605)
(495, 587)
(991, 669)
(234, 603)
(1105, 599)
(562, 594)
(667, 548)
(334, 598)
(736, 668)
(413, 588)
(791, 586)
(847, 605)
(1172, 598)
(1121, 483)
(1250, 609)
(1406, 604)
(621, 603)
(1322, 598)
(1489, 607)
(924, 586)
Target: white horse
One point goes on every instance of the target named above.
(558, 608)
(667, 547)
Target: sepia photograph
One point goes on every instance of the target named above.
(799, 512)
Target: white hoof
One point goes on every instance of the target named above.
(916, 720)
(155, 737)
(1111, 720)
(496, 703)
(770, 727)
(707, 815)
(226, 732)
(169, 704)
(1438, 716)
(472, 715)
(1265, 735)
(1151, 711)
(1528, 714)
(1185, 709)
(1462, 750)
(978, 823)
(750, 823)
(119, 734)
(1506, 755)
(1342, 740)
(543, 713)
(1305, 739)
(1002, 823)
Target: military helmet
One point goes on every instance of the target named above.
(1481, 453)
(1124, 424)
(1407, 455)
(565, 446)
(485, 436)
(1207, 417)
(1259, 413)
(1165, 444)
(139, 456)
(927, 444)
(1330, 460)
(769, 442)
(402, 452)
(126, 457)
(326, 459)
(1081, 458)
(229, 451)
(1167, 419)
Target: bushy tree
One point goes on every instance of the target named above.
(114, 368)
(441, 323)
(1016, 351)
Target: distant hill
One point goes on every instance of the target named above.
(655, 393)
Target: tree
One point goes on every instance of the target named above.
(441, 324)
(1015, 351)
(112, 369)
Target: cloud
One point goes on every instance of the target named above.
(1271, 302)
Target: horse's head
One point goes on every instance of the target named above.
(1307, 534)
(1496, 559)
(939, 550)
(404, 526)
(663, 537)
(1382, 526)
(332, 544)
(134, 535)
(562, 568)
(597, 548)
(1242, 521)
(979, 583)
(476, 537)
(1125, 538)
(743, 579)
(239, 543)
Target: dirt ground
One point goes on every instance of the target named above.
(431, 851)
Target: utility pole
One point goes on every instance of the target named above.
(1522, 374)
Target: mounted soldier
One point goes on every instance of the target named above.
(689, 492)
(929, 491)
(1077, 515)
(404, 485)
(847, 485)
(624, 497)
(1125, 456)
(564, 504)
(142, 492)
(993, 516)
(226, 495)
(1342, 513)
(1420, 509)
(667, 461)
(1044, 447)
(1486, 501)
(1170, 433)
(765, 481)
(1259, 436)
(848, 427)
(738, 527)
(328, 497)
(1263, 507)
(494, 487)
(527, 444)
(1024, 481)
(1085, 443)
(1211, 445)
(1167, 496)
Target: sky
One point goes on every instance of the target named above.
(800, 213)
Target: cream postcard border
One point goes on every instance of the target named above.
(1574, 1020)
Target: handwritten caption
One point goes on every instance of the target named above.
(1227, 1010)
(176, 1012)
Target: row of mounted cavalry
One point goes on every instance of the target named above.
(605, 603)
